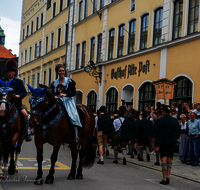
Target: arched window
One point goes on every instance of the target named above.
(182, 93)
(144, 31)
(146, 95)
(158, 26)
(92, 101)
(112, 100)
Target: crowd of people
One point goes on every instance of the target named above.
(156, 130)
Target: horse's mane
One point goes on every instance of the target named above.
(48, 89)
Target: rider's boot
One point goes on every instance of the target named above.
(26, 136)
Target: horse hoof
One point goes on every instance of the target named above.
(71, 177)
(11, 170)
(1, 176)
(49, 180)
(16, 169)
(38, 181)
(79, 176)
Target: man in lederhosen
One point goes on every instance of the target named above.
(20, 92)
(167, 132)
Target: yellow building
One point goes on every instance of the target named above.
(134, 42)
(131, 42)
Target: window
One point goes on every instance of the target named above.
(40, 48)
(86, 8)
(32, 27)
(178, 17)
(157, 26)
(37, 22)
(66, 33)
(99, 47)
(35, 53)
(102, 3)
(44, 78)
(92, 48)
(83, 54)
(144, 32)
(112, 100)
(48, 4)
(46, 44)
(80, 10)
(24, 80)
(27, 31)
(54, 9)
(92, 101)
(21, 58)
(77, 56)
(33, 81)
(49, 80)
(59, 34)
(30, 52)
(38, 80)
(94, 6)
(131, 39)
(121, 40)
(28, 81)
(182, 93)
(25, 56)
(146, 96)
(23, 32)
(52, 36)
(61, 5)
(132, 5)
(41, 20)
(193, 16)
(111, 43)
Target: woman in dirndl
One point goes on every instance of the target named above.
(64, 89)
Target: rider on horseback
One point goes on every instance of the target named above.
(20, 92)
(64, 90)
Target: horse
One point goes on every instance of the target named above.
(11, 131)
(51, 125)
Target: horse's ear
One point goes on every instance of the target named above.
(2, 83)
(30, 88)
(43, 91)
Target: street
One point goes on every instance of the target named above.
(108, 176)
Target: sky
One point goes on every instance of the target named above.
(10, 14)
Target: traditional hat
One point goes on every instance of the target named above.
(122, 110)
(11, 65)
(166, 108)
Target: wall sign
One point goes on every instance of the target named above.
(130, 70)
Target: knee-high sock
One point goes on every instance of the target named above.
(157, 156)
(147, 150)
(76, 131)
(132, 151)
(106, 146)
(124, 153)
(129, 147)
(116, 154)
(138, 150)
(141, 152)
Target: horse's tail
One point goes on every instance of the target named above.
(89, 158)
(6, 151)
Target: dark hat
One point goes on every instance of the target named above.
(11, 65)
(144, 114)
(102, 109)
(166, 108)
(133, 111)
(122, 110)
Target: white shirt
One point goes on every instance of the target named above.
(117, 123)
(183, 126)
(194, 111)
(175, 115)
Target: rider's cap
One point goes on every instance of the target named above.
(11, 65)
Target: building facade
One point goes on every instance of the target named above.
(131, 42)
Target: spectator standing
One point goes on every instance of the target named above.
(184, 150)
(194, 108)
(174, 110)
(194, 131)
(167, 133)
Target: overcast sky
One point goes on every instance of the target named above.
(10, 11)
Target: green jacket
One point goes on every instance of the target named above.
(134, 129)
(131, 119)
(144, 128)
(126, 130)
(167, 129)
(108, 127)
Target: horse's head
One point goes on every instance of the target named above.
(7, 96)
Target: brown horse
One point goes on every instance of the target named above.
(52, 126)
(11, 131)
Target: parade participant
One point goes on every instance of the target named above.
(167, 133)
(122, 134)
(20, 93)
(194, 132)
(133, 133)
(131, 119)
(143, 131)
(105, 127)
(184, 153)
(64, 89)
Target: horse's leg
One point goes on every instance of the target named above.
(79, 174)
(18, 150)
(1, 172)
(38, 179)
(11, 168)
(74, 158)
(54, 158)
(16, 159)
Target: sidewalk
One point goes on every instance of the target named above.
(178, 169)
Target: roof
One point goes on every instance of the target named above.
(5, 53)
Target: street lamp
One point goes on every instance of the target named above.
(92, 71)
